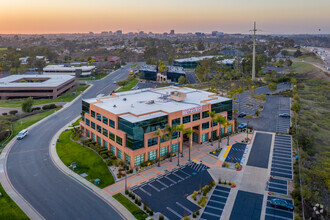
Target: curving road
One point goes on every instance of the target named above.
(33, 174)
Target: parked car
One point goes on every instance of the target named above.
(114, 82)
(242, 115)
(285, 115)
(22, 134)
(281, 203)
(241, 126)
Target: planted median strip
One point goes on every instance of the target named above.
(87, 161)
(136, 211)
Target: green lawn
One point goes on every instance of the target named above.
(26, 122)
(136, 211)
(134, 65)
(299, 67)
(88, 161)
(66, 97)
(128, 86)
(8, 208)
(76, 123)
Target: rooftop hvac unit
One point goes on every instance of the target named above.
(149, 102)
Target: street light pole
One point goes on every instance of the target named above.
(247, 131)
(201, 177)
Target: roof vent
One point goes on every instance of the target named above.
(132, 106)
(114, 106)
(124, 99)
(149, 102)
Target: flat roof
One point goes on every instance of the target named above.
(52, 80)
(175, 69)
(195, 59)
(132, 105)
(151, 68)
(62, 67)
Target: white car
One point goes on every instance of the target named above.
(114, 82)
(22, 134)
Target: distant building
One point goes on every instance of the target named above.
(227, 62)
(214, 33)
(191, 62)
(232, 52)
(173, 73)
(82, 71)
(24, 60)
(172, 32)
(36, 86)
(119, 33)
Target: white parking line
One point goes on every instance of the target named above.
(185, 208)
(272, 187)
(282, 184)
(219, 196)
(208, 213)
(155, 188)
(282, 165)
(170, 179)
(282, 173)
(278, 217)
(158, 181)
(174, 212)
(213, 207)
(211, 200)
(219, 190)
(149, 194)
(178, 176)
(280, 160)
(282, 210)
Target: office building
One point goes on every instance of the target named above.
(78, 71)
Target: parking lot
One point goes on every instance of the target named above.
(236, 153)
(247, 205)
(167, 193)
(278, 186)
(283, 123)
(216, 204)
(282, 157)
(276, 213)
(259, 155)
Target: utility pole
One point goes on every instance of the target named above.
(254, 53)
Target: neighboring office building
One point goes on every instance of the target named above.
(149, 72)
(37, 86)
(78, 71)
(24, 60)
(227, 62)
(125, 122)
(191, 62)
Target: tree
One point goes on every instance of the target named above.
(226, 125)
(293, 80)
(27, 104)
(180, 128)
(170, 130)
(189, 132)
(212, 116)
(170, 60)
(284, 53)
(158, 134)
(288, 62)
(161, 66)
(239, 91)
(272, 86)
(182, 80)
(298, 53)
(295, 107)
(220, 119)
(200, 45)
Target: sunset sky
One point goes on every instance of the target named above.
(230, 16)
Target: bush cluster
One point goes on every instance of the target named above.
(50, 106)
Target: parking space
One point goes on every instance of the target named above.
(273, 213)
(167, 193)
(259, 155)
(278, 186)
(216, 203)
(236, 153)
(247, 206)
(283, 123)
(282, 157)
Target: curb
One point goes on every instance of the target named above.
(26, 207)
(101, 193)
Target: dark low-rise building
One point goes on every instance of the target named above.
(173, 73)
(36, 86)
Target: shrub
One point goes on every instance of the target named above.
(104, 156)
(136, 201)
(144, 206)
(219, 181)
(108, 162)
(5, 113)
(27, 104)
(151, 213)
(119, 175)
(139, 203)
(225, 164)
(233, 184)
(161, 217)
(197, 212)
(126, 192)
(113, 157)
(133, 196)
(13, 112)
(194, 215)
(130, 194)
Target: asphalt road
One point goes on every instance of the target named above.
(33, 174)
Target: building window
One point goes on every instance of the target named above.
(205, 137)
(85, 107)
(152, 141)
(99, 141)
(105, 144)
(93, 125)
(92, 113)
(213, 124)
(175, 147)
(229, 129)
(98, 117)
(105, 120)
(138, 159)
(205, 114)
(127, 159)
(111, 123)
(175, 135)
(176, 121)
(94, 137)
(113, 149)
(163, 151)
(98, 128)
(186, 119)
(162, 140)
(222, 130)
(205, 125)
(196, 116)
(83, 130)
(120, 154)
(88, 122)
(111, 136)
(152, 155)
(214, 134)
(119, 140)
(88, 133)
(105, 132)
(83, 118)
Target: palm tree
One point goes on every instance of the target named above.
(212, 115)
(170, 130)
(189, 133)
(158, 134)
(239, 91)
(180, 128)
(226, 125)
(220, 120)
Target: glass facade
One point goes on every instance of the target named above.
(98, 117)
(214, 124)
(111, 123)
(120, 154)
(135, 131)
(152, 141)
(213, 134)
(222, 130)
(105, 144)
(85, 107)
(226, 106)
(111, 136)
(93, 114)
(205, 125)
(229, 129)
(93, 125)
(195, 138)
(88, 133)
(186, 119)
(105, 120)
(139, 159)
(127, 159)
(94, 137)
(88, 122)
(196, 117)
(105, 132)
(175, 147)
(99, 141)
(205, 114)
(163, 151)
(113, 149)
(152, 155)
(205, 137)
(176, 121)
(98, 128)
(119, 140)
